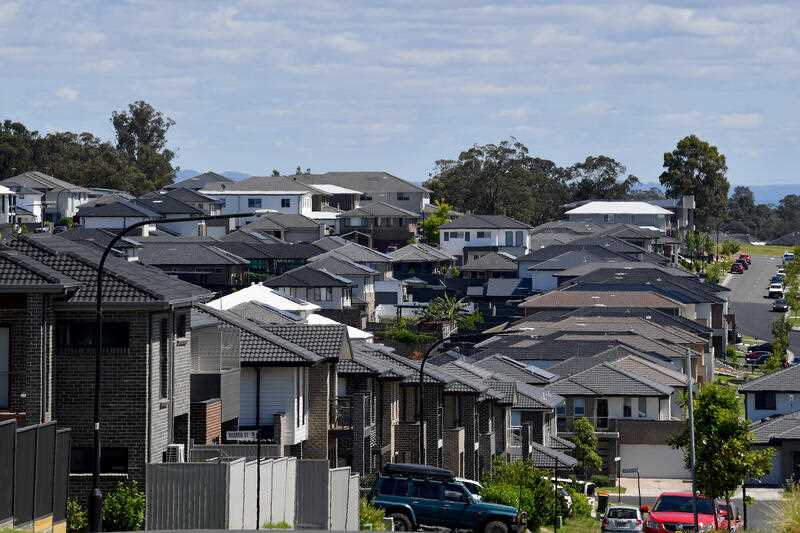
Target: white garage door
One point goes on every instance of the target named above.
(654, 460)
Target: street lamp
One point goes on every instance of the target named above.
(96, 499)
(618, 460)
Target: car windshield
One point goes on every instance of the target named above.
(683, 504)
(622, 512)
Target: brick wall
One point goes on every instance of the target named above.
(206, 425)
(469, 416)
(319, 392)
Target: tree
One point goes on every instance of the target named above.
(430, 226)
(597, 178)
(730, 247)
(725, 457)
(585, 452)
(780, 338)
(276, 172)
(142, 134)
(697, 168)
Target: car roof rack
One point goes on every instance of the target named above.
(418, 471)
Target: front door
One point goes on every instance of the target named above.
(602, 413)
(5, 367)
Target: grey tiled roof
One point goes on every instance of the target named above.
(120, 208)
(262, 313)
(330, 243)
(259, 346)
(182, 194)
(199, 181)
(774, 429)
(560, 443)
(187, 253)
(168, 205)
(356, 252)
(363, 181)
(242, 249)
(485, 222)
(123, 282)
(20, 271)
(275, 184)
(515, 370)
(786, 380)
(379, 209)
(548, 458)
(419, 253)
(251, 237)
(308, 276)
(98, 237)
(607, 380)
(328, 341)
(606, 296)
(282, 221)
(40, 181)
(342, 266)
(492, 261)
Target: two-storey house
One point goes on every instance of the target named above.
(469, 237)
(621, 212)
(60, 198)
(378, 225)
(290, 228)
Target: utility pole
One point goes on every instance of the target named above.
(691, 435)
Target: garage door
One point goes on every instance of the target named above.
(654, 460)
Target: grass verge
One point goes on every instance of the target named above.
(576, 525)
(765, 250)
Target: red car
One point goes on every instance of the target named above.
(737, 268)
(746, 257)
(673, 512)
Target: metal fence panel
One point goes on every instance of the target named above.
(352, 521)
(61, 474)
(186, 496)
(236, 495)
(312, 494)
(291, 490)
(8, 432)
(24, 474)
(200, 454)
(250, 475)
(266, 491)
(45, 447)
(279, 491)
(337, 498)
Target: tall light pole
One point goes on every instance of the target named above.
(96, 499)
(691, 436)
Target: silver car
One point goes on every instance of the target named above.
(623, 518)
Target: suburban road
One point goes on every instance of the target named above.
(753, 309)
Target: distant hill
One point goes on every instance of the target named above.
(189, 173)
(765, 194)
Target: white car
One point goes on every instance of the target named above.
(567, 498)
(775, 290)
(472, 486)
(622, 518)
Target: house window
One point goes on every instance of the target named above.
(300, 397)
(286, 202)
(365, 198)
(518, 238)
(327, 294)
(113, 460)
(445, 236)
(180, 327)
(642, 407)
(509, 238)
(402, 197)
(579, 407)
(82, 334)
(466, 236)
(254, 203)
(626, 407)
(163, 360)
(483, 235)
(222, 203)
(561, 410)
(765, 401)
(357, 221)
(608, 219)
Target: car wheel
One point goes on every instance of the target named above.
(401, 522)
(495, 526)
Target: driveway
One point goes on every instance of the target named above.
(753, 309)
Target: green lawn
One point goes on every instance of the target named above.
(765, 250)
(610, 490)
(576, 525)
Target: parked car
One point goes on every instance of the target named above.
(756, 358)
(473, 486)
(780, 305)
(781, 271)
(775, 290)
(737, 268)
(566, 497)
(788, 256)
(743, 263)
(416, 495)
(673, 511)
(763, 347)
(777, 278)
(622, 518)
(587, 488)
(746, 257)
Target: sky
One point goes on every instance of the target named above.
(396, 85)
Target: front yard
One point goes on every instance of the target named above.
(576, 525)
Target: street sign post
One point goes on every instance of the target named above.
(251, 436)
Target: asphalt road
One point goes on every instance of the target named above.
(753, 309)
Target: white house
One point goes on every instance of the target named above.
(62, 199)
(621, 212)
(471, 233)
(7, 202)
(772, 394)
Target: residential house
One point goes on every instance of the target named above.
(379, 225)
(114, 213)
(210, 206)
(772, 394)
(543, 265)
(47, 341)
(374, 187)
(467, 236)
(681, 209)
(330, 242)
(500, 297)
(491, 265)
(8, 200)
(265, 194)
(362, 277)
(781, 434)
(200, 263)
(196, 183)
(125, 247)
(61, 199)
(331, 292)
(381, 263)
(419, 258)
(621, 212)
(290, 228)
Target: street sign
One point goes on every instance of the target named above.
(242, 436)
(630, 470)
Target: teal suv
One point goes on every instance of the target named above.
(417, 495)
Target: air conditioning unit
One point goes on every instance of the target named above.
(174, 454)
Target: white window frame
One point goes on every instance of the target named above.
(582, 402)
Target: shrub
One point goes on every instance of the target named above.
(123, 508)
(520, 485)
(789, 516)
(77, 522)
(580, 504)
(277, 525)
(369, 516)
(601, 480)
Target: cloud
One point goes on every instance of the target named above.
(742, 120)
(68, 93)
(346, 42)
(8, 10)
(683, 20)
(518, 113)
(90, 39)
(688, 119)
(593, 109)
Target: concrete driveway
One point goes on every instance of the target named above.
(753, 309)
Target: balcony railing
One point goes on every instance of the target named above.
(514, 437)
(341, 413)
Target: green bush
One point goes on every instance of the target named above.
(788, 520)
(601, 480)
(277, 525)
(77, 521)
(123, 508)
(520, 485)
(369, 516)
(580, 504)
